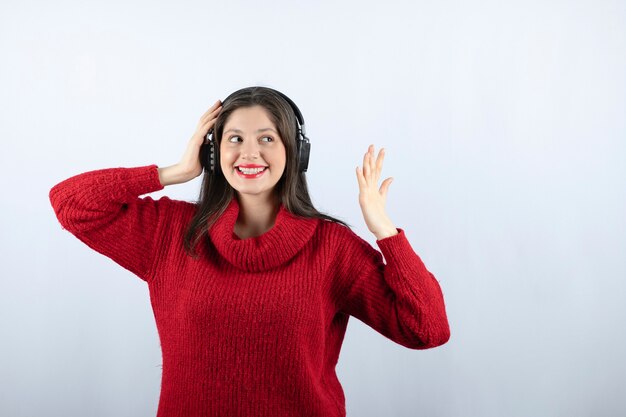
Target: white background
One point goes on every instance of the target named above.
(504, 129)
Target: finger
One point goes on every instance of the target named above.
(213, 107)
(211, 113)
(372, 165)
(379, 163)
(208, 120)
(216, 104)
(359, 177)
(366, 165)
(204, 127)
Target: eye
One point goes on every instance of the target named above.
(265, 137)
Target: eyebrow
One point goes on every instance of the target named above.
(258, 131)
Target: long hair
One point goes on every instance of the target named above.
(291, 190)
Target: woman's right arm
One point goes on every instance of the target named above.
(103, 209)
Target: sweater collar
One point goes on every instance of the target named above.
(276, 246)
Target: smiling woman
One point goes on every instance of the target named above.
(252, 323)
(255, 126)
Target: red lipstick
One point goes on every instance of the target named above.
(251, 176)
(251, 166)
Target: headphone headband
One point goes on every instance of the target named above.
(296, 111)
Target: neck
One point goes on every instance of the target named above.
(256, 215)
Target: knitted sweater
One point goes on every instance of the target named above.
(253, 327)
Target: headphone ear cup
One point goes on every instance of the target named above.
(207, 153)
(304, 149)
(212, 157)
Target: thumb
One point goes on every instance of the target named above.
(385, 186)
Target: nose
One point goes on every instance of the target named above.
(250, 149)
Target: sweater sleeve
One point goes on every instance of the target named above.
(401, 300)
(102, 208)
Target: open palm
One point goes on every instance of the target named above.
(372, 199)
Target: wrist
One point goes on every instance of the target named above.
(173, 175)
(388, 232)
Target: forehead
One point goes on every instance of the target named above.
(249, 117)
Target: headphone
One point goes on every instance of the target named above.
(303, 146)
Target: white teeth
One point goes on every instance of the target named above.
(250, 170)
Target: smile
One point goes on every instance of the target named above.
(253, 173)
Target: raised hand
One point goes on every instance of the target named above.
(372, 199)
(189, 166)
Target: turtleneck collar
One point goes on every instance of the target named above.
(254, 254)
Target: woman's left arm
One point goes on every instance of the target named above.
(402, 299)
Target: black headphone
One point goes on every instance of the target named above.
(303, 146)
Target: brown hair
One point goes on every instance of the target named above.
(291, 190)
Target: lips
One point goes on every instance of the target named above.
(250, 166)
(251, 176)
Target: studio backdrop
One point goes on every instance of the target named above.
(503, 128)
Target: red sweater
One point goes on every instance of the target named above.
(254, 326)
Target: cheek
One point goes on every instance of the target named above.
(225, 158)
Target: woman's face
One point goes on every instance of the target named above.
(250, 138)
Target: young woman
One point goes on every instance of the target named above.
(251, 286)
